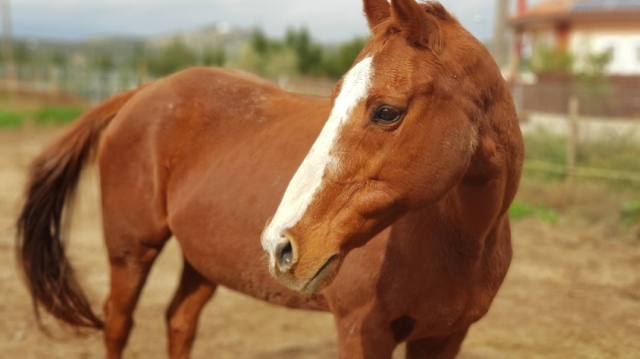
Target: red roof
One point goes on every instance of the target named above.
(571, 10)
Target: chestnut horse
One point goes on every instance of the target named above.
(394, 219)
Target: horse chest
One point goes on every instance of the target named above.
(431, 296)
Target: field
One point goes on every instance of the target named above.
(573, 290)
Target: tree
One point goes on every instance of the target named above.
(21, 53)
(249, 60)
(548, 59)
(259, 41)
(174, 57)
(103, 61)
(58, 58)
(297, 54)
(214, 56)
(339, 61)
(281, 64)
(309, 54)
(273, 64)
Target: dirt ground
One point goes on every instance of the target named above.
(570, 293)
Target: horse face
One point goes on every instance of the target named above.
(398, 138)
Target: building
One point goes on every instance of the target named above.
(580, 28)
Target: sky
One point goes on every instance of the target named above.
(328, 20)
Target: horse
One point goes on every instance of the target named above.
(386, 204)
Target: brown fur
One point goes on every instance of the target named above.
(417, 214)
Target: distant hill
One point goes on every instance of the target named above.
(122, 50)
(216, 35)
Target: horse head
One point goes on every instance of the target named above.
(401, 134)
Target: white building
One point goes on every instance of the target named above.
(581, 27)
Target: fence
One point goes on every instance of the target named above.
(606, 97)
(96, 85)
(584, 110)
(573, 126)
(69, 81)
(551, 94)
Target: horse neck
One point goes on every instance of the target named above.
(471, 219)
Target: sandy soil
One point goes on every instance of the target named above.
(571, 293)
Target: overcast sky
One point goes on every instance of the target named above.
(328, 20)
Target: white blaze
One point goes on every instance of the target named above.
(308, 179)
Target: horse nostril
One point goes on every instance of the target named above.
(284, 253)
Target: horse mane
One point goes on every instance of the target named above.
(436, 9)
(437, 15)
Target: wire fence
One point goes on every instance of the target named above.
(80, 81)
(576, 111)
(605, 97)
(615, 141)
(583, 172)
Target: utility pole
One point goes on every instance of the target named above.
(7, 40)
(500, 32)
(518, 34)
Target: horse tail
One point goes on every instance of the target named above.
(52, 180)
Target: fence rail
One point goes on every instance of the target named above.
(583, 172)
(95, 85)
(81, 81)
(570, 169)
(611, 96)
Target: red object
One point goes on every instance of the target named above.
(522, 7)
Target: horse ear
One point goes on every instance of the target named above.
(419, 27)
(376, 12)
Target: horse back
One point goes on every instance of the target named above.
(209, 153)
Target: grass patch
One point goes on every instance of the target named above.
(11, 119)
(630, 211)
(542, 145)
(596, 157)
(614, 211)
(521, 210)
(614, 152)
(57, 114)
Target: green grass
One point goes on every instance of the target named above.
(619, 153)
(11, 119)
(615, 210)
(521, 210)
(615, 153)
(16, 111)
(544, 146)
(630, 211)
(57, 114)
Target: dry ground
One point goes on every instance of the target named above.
(571, 293)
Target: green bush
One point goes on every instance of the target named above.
(9, 119)
(57, 114)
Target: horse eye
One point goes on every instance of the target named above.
(386, 115)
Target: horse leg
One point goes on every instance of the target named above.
(436, 348)
(182, 315)
(133, 240)
(130, 266)
(368, 338)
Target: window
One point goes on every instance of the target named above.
(638, 53)
(610, 51)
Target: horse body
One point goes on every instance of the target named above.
(220, 180)
(207, 155)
